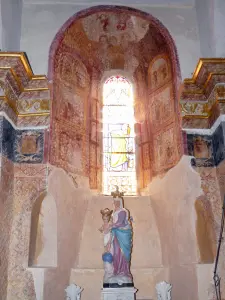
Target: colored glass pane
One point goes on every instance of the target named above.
(118, 137)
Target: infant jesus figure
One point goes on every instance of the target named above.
(107, 256)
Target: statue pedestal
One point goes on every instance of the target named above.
(122, 293)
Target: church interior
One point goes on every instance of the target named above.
(96, 95)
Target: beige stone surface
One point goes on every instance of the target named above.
(146, 251)
(71, 203)
(165, 245)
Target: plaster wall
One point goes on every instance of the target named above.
(219, 24)
(146, 254)
(205, 18)
(71, 203)
(10, 24)
(40, 23)
(164, 245)
(45, 237)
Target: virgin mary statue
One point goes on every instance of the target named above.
(121, 243)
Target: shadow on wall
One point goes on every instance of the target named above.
(43, 235)
(173, 198)
(204, 230)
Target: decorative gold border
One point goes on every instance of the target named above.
(28, 70)
(197, 116)
(6, 99)
(34, 114)
(201, 88)
(198, 68)
(31, 77)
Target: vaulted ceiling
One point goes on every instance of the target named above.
(108, 40)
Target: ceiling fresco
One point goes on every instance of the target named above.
(116, 27)
(108, 40)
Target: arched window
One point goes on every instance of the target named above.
(118, 136)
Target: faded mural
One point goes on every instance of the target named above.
(91, 45)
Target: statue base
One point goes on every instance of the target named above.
(119, 293)
(117, 285)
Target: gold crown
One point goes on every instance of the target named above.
(106, 212)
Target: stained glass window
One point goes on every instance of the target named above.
(118, 137)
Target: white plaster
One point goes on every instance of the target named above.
(184, 172)
(119, 294)
(38, 277)
(179, 188)
(11, 12)
(219, 25)
(48, 224)
(205, 281)
(204, 10)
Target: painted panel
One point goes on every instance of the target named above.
(201, 148)
(159, 72)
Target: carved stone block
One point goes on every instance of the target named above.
(118, 293)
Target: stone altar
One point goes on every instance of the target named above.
(118, 293)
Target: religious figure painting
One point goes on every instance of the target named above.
(201, 148)
(121, 145)
(70, 149)
(73, 74)
(29, 146)
(165, 152)
(159, 72)
(114, 25)
(162, 106)
(119, 152)
(118, 136)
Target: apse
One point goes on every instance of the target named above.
(93, 45)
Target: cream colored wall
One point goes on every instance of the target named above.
(165, 244)
(48, 228)
(71, 203)
(146, 252)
